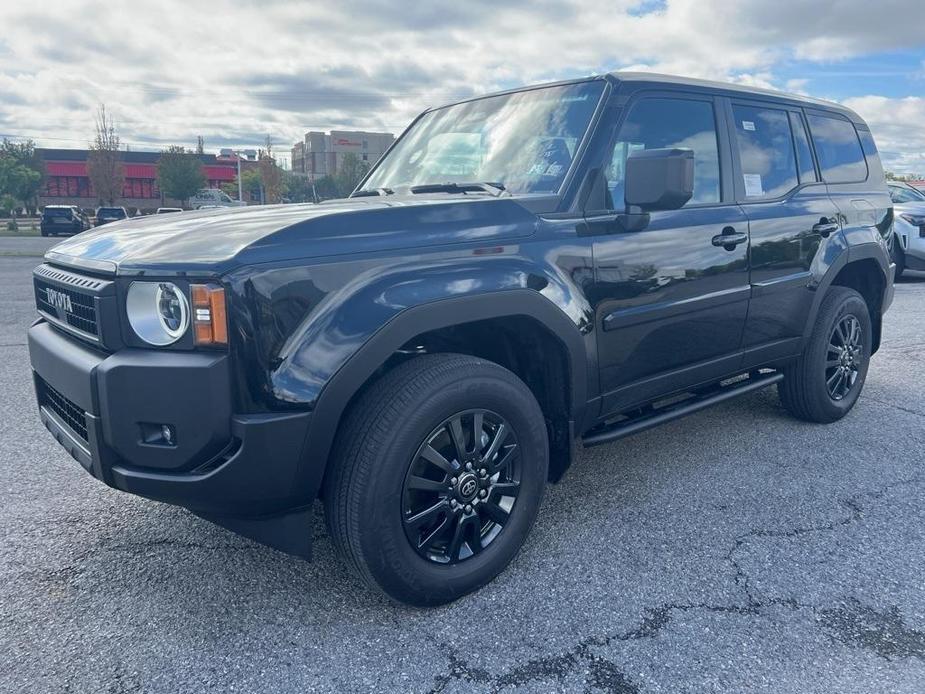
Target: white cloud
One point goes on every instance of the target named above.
(235, 71)
(897, 130)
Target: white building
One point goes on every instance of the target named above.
(319, 154)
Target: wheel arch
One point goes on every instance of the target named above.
(368, 362)
(865, 269)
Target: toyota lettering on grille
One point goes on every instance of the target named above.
(59, 300)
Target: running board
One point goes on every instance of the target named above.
(683, 408)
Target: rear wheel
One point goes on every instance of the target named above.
(823, 385)
(437, 477)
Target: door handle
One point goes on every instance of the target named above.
(729, 239)
(825, 227)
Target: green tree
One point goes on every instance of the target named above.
(229, 188)
(104, 162)
(180, 174)
(350, 172)
(28, 184)
(297, 188)
(252, 184)
(16, 182)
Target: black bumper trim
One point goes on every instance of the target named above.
(244, 466)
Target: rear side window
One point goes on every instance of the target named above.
(657, 123)
(839, 150)
(769, 167)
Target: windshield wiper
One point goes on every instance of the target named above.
(367, 193)
(496, 189)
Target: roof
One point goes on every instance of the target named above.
(657, 78)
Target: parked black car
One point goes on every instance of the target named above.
(572, 262)
(104, 215)
(62, 219)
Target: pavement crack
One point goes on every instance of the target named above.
(895, 406)
(600, 674)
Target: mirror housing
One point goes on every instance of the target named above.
(658, 179)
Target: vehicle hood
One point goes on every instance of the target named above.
(218, 240)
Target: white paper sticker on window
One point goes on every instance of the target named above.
(748, 125)
(753, 187)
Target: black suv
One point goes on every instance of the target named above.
(104, 215)
(571, 262)
(62, 219)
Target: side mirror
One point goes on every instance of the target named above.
(658, 179)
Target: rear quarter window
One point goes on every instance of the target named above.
(838, 148)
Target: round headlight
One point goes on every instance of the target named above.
(157, 311)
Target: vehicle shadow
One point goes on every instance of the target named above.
(184, 562)
(911, 277)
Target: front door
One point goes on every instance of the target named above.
(671, 300)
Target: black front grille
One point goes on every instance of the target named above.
(74, 417)
(76, 309)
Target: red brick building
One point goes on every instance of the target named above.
(67, 182)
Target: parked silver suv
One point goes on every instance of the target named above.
(907, 246)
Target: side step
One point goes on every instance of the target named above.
(634, 425)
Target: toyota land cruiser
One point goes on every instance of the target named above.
(572, 262)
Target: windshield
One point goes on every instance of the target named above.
(525, 141)
(111, 212)
(57, 212)
(901, 194)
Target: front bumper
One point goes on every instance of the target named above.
(103, 407)
(912, 241)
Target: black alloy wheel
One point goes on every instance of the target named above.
(845, 355)
(826, 381)
(461, 487)
(436, 477)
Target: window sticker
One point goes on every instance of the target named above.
(748, 125)
(753, 186)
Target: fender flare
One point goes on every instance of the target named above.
(346, 382)
(847, 255)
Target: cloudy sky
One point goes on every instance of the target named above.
(235, 72)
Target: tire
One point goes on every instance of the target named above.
(381, 456)
(44, 233)
(807, 389)
(897, 256)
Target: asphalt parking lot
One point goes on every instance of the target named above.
(735, 550)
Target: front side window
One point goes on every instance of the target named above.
(901, 194)
(766, 153)
(658, 123)
(525, 140)
(839, 150)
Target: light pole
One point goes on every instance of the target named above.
(240, 184)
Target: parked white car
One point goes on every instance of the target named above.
(213, 197)
(908, 243)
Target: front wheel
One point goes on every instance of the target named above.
(437, 478)
(823, 385)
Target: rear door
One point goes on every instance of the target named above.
(790, 219)
(670, 301)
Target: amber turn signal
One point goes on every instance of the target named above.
(210, 320)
